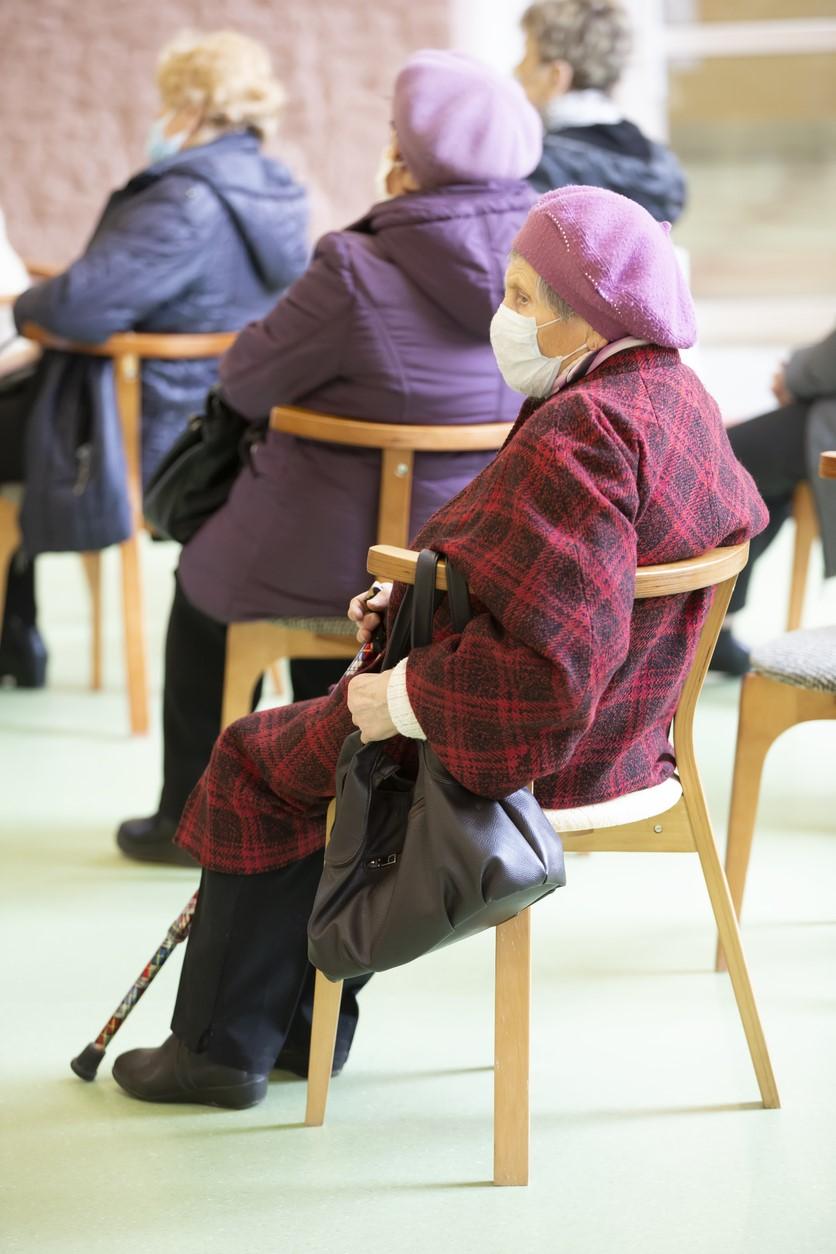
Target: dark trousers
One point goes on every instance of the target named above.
(195, 659)
(20, 584)
(772, 448)
(246, 988)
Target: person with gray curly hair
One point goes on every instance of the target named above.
(575, 54)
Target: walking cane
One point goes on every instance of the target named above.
(88, 1061)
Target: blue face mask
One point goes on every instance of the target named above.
(158, 145)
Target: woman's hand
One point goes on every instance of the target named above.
(367, 610)
(366, 697)
(780, 390)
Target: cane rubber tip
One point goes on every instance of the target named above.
(87, 1063)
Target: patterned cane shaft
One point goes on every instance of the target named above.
(178, 932)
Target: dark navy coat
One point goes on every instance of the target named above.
(205, 240)
(616, 156)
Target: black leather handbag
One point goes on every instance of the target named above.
(415, 863)
(195, 477)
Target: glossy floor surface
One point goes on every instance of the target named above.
(647, 1135)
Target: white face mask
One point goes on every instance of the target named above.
(523, 367)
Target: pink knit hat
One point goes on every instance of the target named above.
(459, 121)
(612, 262)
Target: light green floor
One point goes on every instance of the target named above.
(647, 1135)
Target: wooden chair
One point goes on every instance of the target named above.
(806, 519)
(684, 828)
(793, 680)
(127, 351)
(252, 647)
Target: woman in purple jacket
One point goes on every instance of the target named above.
(390, 323)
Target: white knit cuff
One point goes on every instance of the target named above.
(400, 709)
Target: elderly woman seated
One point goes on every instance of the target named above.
(618, 458)
(203, 239)
(390, 323)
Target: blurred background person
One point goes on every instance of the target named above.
(203, 239)
(390, 323)
(575, 54)
(780, 449)
(13, 279)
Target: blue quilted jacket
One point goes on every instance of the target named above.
(206, 240)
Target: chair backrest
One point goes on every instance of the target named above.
(127, 350)
(397, 443)
(718, 568)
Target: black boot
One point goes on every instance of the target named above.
(730, 657)
(22, 655)
(152, 840)
(172, 1073)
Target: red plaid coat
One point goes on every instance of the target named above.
(560, 676)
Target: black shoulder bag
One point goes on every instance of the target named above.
(195, 477)
(417, 863)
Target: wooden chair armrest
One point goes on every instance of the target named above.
(390, 563)
(168, 346)
(428, 438)
(827, 465)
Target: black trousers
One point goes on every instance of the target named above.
(20, 584)
(195, 658)
(772, 448)
(246, 988)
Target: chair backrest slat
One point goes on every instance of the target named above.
(356, 432)
(166, 346)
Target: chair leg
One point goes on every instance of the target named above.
(92, 563)
(806, 530)
(326, 1014)
(134, 632)
(512, 1048)
(721, 904)
(249, 654)
(763, 716)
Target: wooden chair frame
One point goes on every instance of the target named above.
(127, 351)
(806, 519)
(685, 828)
(767, 709)
(252, 647)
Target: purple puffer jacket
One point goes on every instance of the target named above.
(390, 323)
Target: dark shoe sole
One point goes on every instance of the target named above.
(230, 1097)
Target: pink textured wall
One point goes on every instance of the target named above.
(77, 95)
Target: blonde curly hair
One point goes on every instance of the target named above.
(228, 74)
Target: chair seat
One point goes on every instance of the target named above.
(631, 808)
(341, 626)
(805, 659)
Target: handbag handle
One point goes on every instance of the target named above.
(413, 625)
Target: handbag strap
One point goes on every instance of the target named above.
(413, 625)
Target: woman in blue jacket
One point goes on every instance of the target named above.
(204, 239)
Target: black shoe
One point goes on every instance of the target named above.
(730, 657)
(22, 655)
(151, 840)
(172, 1073)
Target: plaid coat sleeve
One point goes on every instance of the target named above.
(546, 538)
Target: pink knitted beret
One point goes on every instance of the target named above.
(612, 262)
(460, 121)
